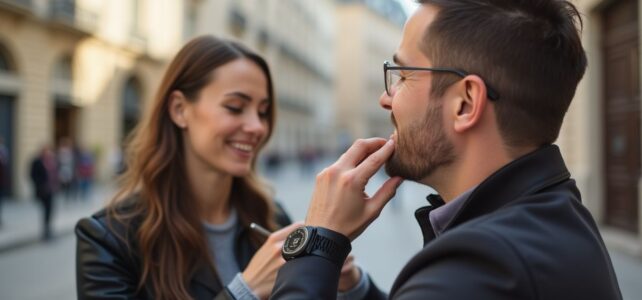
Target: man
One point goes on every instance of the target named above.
(43, 173)
(4, 173)
(477, 97)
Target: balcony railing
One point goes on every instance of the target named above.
(63, 10)
(67, 12)
(18, 6)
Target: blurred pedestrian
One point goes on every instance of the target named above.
(4, 174)
(84, 173)
(179, 228)
(307, 158)
(66, 168)
(273, 162)
(44, 178)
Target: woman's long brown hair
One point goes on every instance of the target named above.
(170, 239)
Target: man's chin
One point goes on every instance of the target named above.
(394, 168)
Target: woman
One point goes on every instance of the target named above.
(178, 228)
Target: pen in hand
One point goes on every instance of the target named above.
(258, 228)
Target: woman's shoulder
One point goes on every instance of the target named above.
(104, 225)
(107, 259)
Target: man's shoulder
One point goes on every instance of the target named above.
(477, 257)
(534, 241)
(550, 222)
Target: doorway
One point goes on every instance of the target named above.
(65, 121)
(621, 113)
(6, 134)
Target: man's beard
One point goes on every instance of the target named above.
(421, 148)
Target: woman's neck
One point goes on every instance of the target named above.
(211, 190)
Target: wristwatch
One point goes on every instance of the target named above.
(319, 241)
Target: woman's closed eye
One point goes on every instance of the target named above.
(264, 111)
(234, 109)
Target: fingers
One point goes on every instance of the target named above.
(283, 233)
(373, 163)
(359, 150)
(348, 264)
(384, 194)
(348, 260)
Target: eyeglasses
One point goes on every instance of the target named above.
(392, 75)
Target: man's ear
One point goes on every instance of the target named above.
(177, 106)
(470, 106)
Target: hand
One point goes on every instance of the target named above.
(350, 275)
(260, 273)
(340, 202)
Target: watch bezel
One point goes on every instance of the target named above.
(299, 249)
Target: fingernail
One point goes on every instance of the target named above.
(391, 142)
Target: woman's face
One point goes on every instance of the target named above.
(228, 122)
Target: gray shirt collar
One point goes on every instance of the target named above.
(440, 217)
(227, 226)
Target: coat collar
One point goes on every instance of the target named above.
(526, 175)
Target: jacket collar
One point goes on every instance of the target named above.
(423, 217)
(207, 277)
(526, 175)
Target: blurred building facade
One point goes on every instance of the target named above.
(85, 69)
(296, 37)
(79, 69)
(601, 135)
(369, 33)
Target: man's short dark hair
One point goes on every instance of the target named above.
(528, 50)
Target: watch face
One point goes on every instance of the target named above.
(296, 241)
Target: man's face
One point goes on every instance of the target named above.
(422, 144)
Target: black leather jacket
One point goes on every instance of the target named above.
(106, 268)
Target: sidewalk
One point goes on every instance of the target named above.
(22, 224)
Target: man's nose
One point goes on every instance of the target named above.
(385, 101)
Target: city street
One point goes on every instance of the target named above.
(46, 271)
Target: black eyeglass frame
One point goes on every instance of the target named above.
(490, 92)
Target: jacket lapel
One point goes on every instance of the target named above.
(205, 277)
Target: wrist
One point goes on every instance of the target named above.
(318, 241)
(247, 280)
(328, 226)
(240, 289)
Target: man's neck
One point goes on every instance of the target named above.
(471, 169)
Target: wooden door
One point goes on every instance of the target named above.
(621, 107)
(6, 132)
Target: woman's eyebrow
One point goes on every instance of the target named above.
(241, 95)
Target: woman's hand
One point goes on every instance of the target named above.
(260, 273)
(350, 275)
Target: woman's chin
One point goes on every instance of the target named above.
(240, 171)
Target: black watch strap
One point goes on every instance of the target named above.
(330, 244)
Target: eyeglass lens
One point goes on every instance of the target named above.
(392, 79)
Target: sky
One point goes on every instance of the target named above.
(409, 5)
